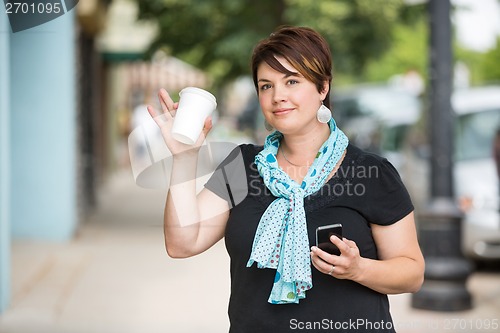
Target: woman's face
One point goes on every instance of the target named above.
(289, 102)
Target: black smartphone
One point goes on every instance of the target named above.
(323, 235)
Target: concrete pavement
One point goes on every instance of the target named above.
(115, 276)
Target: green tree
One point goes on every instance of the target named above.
(473, 60)
(219, 35)
(408, 51)
(357, 31)
(490, 69)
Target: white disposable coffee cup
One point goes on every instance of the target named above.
(195, 105)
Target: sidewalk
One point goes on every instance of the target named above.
(116, 277)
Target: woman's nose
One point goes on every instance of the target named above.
(279, 94)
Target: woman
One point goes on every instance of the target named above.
(307, 175)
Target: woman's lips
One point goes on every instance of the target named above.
(280, 112)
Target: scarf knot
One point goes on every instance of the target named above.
(281, 241)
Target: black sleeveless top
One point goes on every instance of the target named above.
(365, 190)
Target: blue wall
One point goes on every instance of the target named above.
(4, 164)
(43, 130)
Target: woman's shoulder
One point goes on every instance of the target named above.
(363, 157)
(249, 151)
(225, 155)
(361, 162)
(250, 148)
(229, 150)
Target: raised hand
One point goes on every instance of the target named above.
(165, 120)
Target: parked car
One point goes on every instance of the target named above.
(377, 118)
(251, 121)
(475, 175)
(475, 169)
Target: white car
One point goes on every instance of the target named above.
(475, 170)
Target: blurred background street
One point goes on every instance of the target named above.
(84, 172)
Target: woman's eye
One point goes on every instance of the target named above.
(265, 87)
(293, 81)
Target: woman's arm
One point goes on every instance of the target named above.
(192, 223)
(400, 268)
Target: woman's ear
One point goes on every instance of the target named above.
(325, 90)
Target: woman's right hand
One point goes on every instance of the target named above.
(165, 120)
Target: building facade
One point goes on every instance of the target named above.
(38, 151)
(4, 164)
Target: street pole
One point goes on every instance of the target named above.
(439, 224)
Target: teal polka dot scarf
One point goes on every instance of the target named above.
(281, 241)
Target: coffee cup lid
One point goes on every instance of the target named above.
(201, 92)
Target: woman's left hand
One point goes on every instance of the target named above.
(347, 265)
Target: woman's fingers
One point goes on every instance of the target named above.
(166, 102)
(207, 126)
(168, 108)
(346, 264)
(322, 257)
(320, 264)
(158, 117)
(174, 109)
(152, 112)
(341, 244)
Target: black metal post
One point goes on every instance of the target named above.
(439, 225)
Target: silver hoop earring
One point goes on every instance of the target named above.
(324, 114)
(268, 126)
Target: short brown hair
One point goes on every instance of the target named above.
(305, 49)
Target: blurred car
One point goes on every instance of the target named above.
(377, 118)
(475, 169)
(251, 121)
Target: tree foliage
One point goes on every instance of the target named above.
(489, 66)
(409, 51)
(219, 35)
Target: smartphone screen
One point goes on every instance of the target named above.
(323, 235)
